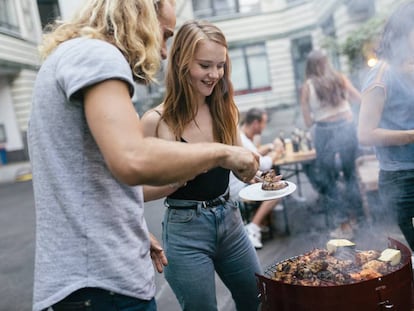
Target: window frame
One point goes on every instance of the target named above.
(9, 21)
(49, 11)
(250, 71)
(214, 11)
(299, 49)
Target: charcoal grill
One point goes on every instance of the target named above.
(393, 291)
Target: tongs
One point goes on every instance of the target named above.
(258, 176)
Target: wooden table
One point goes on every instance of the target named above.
(292, 163)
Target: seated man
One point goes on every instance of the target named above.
(253, 124)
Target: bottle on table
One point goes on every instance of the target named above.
(288, 146)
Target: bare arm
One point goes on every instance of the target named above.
(239, 139)
(135, 159)
(152, 127)
(265, 149)
(157, 192)
(305, 106)
(353, 94)
(369, 132)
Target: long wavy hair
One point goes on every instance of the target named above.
(131, 25)
(394, 46)
(328, 83)
(179, 108)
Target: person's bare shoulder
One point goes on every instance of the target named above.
(151, 120)
(154, 126)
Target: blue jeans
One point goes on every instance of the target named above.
(337, 142)
(96, 299)
(396, 189)
(198, 243)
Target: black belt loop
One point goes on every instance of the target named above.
(193, 204)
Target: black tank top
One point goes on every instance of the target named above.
(206, 186)
(203, 187)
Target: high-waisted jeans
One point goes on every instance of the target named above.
(199, 242)
(332, 140)
(396, 190)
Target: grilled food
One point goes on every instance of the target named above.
(321, 267)
(272, 182)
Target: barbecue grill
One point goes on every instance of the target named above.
(393, 291)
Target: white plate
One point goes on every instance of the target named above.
(254, 192)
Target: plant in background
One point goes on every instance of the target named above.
(360, 44)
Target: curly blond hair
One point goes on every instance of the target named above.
(131, 25)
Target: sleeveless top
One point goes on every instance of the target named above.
(322, 111)
(203, 187)
(396, 115)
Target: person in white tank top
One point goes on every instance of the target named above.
(325, 103)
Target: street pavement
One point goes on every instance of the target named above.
(16, 246)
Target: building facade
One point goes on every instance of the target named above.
(20, 33)
(268, 39)
(21, 24)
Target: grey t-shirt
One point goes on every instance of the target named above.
(90, 228)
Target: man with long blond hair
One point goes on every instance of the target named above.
(88, 155)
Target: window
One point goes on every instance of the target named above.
(300, 50)
(208, 8)
(8, 16)
(249, 69)
(3, 135)
(361, 10)
(49, 11)
(27, 14)
(328, 29)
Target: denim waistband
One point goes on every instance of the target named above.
(333, 123)
(194, 204)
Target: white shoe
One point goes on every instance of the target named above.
(254, 234)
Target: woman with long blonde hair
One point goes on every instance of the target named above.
(89, 157)
(203, 232)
